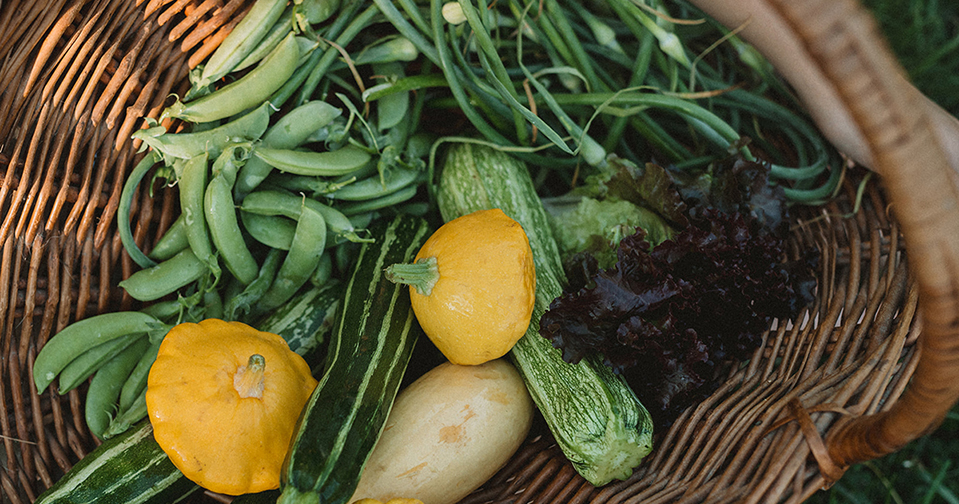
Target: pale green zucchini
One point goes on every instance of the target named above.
(595, 417)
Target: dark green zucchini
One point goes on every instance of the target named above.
(366, 360)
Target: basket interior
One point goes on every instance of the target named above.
(83, 73)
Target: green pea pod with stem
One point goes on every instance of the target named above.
(378, 186)
(166, 277)
(172, 146)
(136, 380)
(231, 160)
(84, 334)
(387, 201)
(225, 230)
(316, 186)
(279, 30)
(242, 40)
(123, 211)
(240, 305)
(192, 184)
(172, 241)
(90, 361)
(106, 384)
(290, 131)
(332, 163)
(269, 202)
(250, 90)
(274, 231)
(127, 417)
(301, 260)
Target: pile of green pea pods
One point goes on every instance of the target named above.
(275, 190)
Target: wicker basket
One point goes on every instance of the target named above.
(78, 74)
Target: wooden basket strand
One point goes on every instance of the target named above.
(826, 390)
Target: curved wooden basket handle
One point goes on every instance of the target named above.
(907, 142)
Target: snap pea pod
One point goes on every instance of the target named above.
(324, 270)
(172, 241)
(375, 186)
(317, 11)
(88, 362)
(332, 163)
(250, 90)
(106, 384)
(123, 212)
(387, 201)
(249, 126)
(240, 304)
(274, 231)
(315, 186)
(242, 40)
(84, 334)
(277, 32)
(192, 185)
(136, 379)
(393, 108)
(269, 202)
(126, 418)
(226, 232)
(301, 260)
(166, 277)
(290, 131)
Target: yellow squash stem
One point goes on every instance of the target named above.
(422, 275)
(249, 379)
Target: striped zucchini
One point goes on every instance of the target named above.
(366, 360)
(595, 417)
(132, 468)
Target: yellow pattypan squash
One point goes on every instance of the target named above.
(472, 286)
(223, 399)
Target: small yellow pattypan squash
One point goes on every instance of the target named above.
(223, 399)
(472, 286)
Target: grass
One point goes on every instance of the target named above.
(924, 34)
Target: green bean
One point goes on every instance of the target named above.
(274, 231)
(389, 200)
(105, 387)
(166, 277)
(225, 230)
(172, 146)
(315, 164)
(277, 33)
(289, 205)
(240, 304)
(300, 262)
(374, 187)
(243, 39)
(88, 362)
(136, 412)
(173, 240)
(290, 131)
(123, 211)
(254, 88)
(82, 335)
(136, 381)
(192, 185)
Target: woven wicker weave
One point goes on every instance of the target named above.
(77, 76)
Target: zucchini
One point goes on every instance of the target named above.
(366, 360)
(595, 417)
(132, 468)
(129, 467)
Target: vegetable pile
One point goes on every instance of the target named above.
(649, 157)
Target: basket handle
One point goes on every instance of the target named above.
(833, 55)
